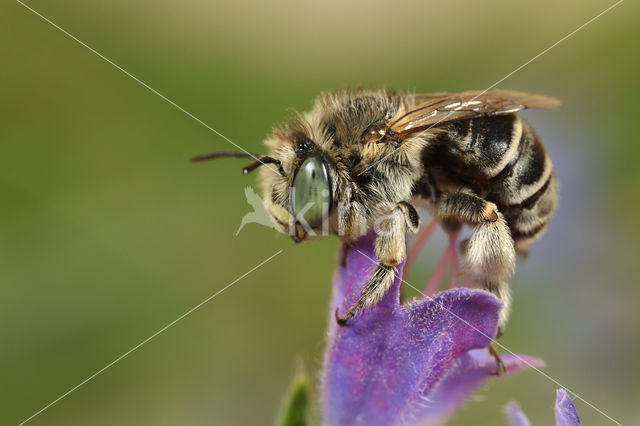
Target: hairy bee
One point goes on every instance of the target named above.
(366, 159)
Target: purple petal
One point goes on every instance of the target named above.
(566, 414)
(516, 416)
(468, 373)
(380, 369)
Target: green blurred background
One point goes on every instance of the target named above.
(107, 233)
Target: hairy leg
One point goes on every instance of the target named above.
(390, 251)
(489, 253)
(352, 221)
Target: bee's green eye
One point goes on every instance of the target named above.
(311, 195)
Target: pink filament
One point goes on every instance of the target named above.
(450, 256)
(468, 279)
(417, 246)
(436, 278)
(453, 246)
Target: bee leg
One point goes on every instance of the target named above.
(501, 368)
(352, 222)
(390, 250)
(376, 288)
(489, 253)
(457, 207)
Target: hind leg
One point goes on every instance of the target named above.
(489, 253)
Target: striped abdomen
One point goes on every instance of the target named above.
(503, 161)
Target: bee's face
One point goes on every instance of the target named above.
(332, 158)
(302, 199)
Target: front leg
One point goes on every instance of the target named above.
(352, 218)
(390, 250)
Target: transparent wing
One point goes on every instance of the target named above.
(438, 109)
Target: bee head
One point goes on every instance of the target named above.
(296, 180)
(300, 199)
(328, 170)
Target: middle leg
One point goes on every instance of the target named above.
(489, 253)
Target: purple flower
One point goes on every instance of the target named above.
(566, 414)
(516, 416)
(411, 363)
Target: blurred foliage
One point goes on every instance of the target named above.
(107, 233)
(295, 411)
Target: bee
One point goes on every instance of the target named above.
(368, 159)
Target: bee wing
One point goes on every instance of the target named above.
(438, 109)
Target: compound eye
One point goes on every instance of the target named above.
(311, 195)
